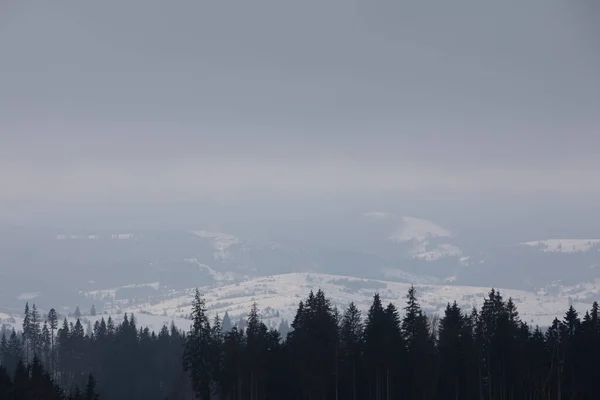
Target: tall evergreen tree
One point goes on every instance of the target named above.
(27, 331)
(197, 350)
(351, 352)
(35, 332)
(14, 353)
(226, 324)
(420, 348)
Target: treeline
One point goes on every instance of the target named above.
(485, 354)
(33, 382)
(127, 362)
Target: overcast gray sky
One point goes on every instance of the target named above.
(183, 99)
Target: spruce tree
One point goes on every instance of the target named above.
(14, 353)
(35, 331)
(53, 324)
(226, 324)
(216, 356)
(419, 345)
(351, 348)
(27, 331)
(197, 350)
(46, 345)
(90, 389)
(375, 349)
(3, 349)
(284, 329)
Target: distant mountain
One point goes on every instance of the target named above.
(565, 245)
(278, 297)
(51, 266)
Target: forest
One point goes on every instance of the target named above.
(389, 353)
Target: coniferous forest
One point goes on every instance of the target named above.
(389, 353)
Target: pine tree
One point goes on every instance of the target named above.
(226, 323)
(197, 350)
(77, 313)
(3, 349)
(419, 345)
(14, 353)
(53, 323)
(375, 349)
(93, 310)
(88, 330)
(45, 344)
(216, 348)
(27, 331)
(35, 332)
(232, 383)
(351, 348)
(256, 341)
(451, 351)
(90, 389)
(284, 329)
(65, 355)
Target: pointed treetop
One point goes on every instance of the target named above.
(226, 324)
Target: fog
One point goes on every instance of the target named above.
(140, 101)
(148, 147)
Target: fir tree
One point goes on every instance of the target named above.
(53, 324)
(284, 329)
(197, 350)
(419, 345)
(14, 353)
(226, 323)
(351, 348)
(27, 331)
(90, 389)
(35, 331)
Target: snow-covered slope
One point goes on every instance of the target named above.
(417, 230)
(220, 241)
(565, 245)
(425, 239)
(278, 296)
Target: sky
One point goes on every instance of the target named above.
(148, 100)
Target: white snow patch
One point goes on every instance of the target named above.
(278, 297)
(220, 242)
(109, 294)
(419, 233)
(440, 251)
(416, 229)
(565, 245)
(217, 276)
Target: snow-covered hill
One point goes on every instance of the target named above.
(277, 296)
(151, 269)
(565, 245)
(425, 239)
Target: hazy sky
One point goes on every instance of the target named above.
(185, 99)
